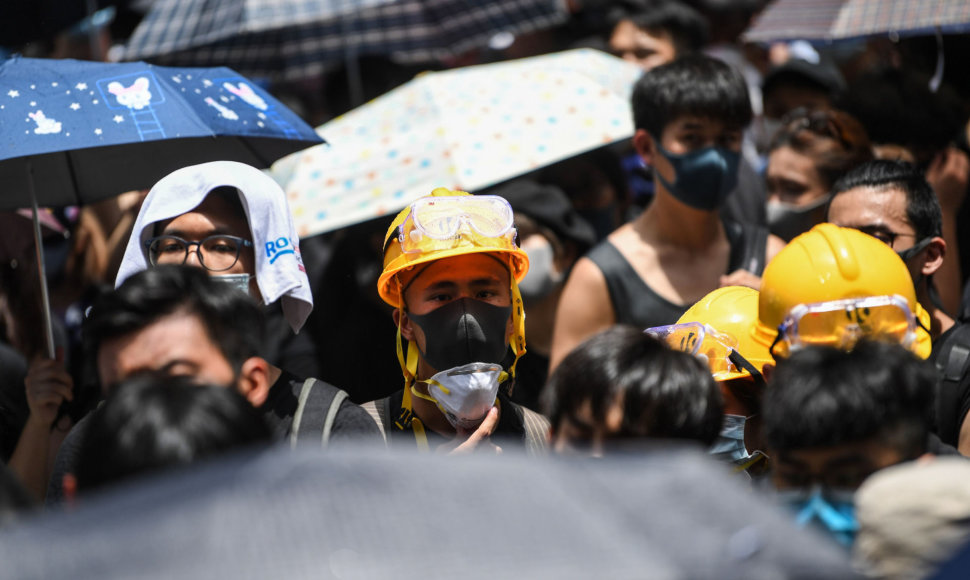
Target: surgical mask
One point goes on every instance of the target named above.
(787, 220)
(238, 281)
(703, 178)
(729, 445)
(542, 278)
(830, 510)
(464, 331)
(464, 394)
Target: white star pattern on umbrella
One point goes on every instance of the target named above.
(81, 86)
(118, 118)
(97, 131)
(75, 106)
(13, 94)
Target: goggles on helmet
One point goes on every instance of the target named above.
(841, 323)
(442, 223)
(717, 349)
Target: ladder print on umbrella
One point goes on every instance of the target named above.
(139, 99)
(251, 98)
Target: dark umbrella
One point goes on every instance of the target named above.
(74, 132)
(293, 38)
(371, 514)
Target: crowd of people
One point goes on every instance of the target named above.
(770, 269)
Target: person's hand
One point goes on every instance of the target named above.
(48, 384)
(469, 441)
(948, 174)
(741, 278)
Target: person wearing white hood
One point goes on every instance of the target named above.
(233, 220)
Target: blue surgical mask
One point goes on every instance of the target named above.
(831, 510)
(729, 445)
(703, 178)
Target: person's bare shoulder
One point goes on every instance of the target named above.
(584, 309)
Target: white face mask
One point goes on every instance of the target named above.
(466, 393)
(237, 281)
(543, 277)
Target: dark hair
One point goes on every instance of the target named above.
(686, 27)
(232, 319)
(153, 421)
(692, 85)
(834, 141)
(666, 394)
(922, 207)
(822, 396)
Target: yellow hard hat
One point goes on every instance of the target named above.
(830, 263)
(444, 224)
(732, 311)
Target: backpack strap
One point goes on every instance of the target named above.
(378, 410)
(316, 412)
(952, 366)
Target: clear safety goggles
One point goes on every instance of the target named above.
(841, 323)
(716, 349)
(441, 223)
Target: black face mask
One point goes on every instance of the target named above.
(464, 331)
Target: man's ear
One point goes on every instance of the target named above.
(253, 382)
(402, 320)
(767, 370)
(934, 256)
(643, 143)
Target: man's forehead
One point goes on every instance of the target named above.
(223, 217)
(869, 206)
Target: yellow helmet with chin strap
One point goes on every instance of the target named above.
(725, 317)
(833, 281)
(443, 225)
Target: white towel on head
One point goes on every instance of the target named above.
(279, 266)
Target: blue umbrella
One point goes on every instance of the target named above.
(74, 132)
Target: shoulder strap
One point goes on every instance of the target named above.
(952, 364)
(316, 411)
(379, 412)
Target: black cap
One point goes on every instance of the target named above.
(549, 207)
(823, 75)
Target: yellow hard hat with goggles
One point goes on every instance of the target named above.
(718, 350)
(443, 225)
(841, 323)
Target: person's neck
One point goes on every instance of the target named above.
(940, 321)
(667, 221)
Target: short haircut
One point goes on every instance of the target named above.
(822, 396)
(232, 319)
(153, 421)
(922, 207)
(686, 27)
(692, 85)
(666, 394)
(833, 140)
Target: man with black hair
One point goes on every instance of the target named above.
(893, 202)
(833, 417)
(689, 117)
(650, 33)
(178, 320)
(624, 387)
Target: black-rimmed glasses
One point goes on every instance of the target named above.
(215, 253)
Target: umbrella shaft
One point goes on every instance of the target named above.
(39, 247)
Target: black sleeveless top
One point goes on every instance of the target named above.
(637, 304)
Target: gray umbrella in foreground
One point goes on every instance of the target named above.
(371, 514)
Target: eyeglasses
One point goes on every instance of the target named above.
(883, 234)
(841, 323)
(437, 223)
(215, 253)
(820, 122)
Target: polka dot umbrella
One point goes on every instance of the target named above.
(465, 128)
